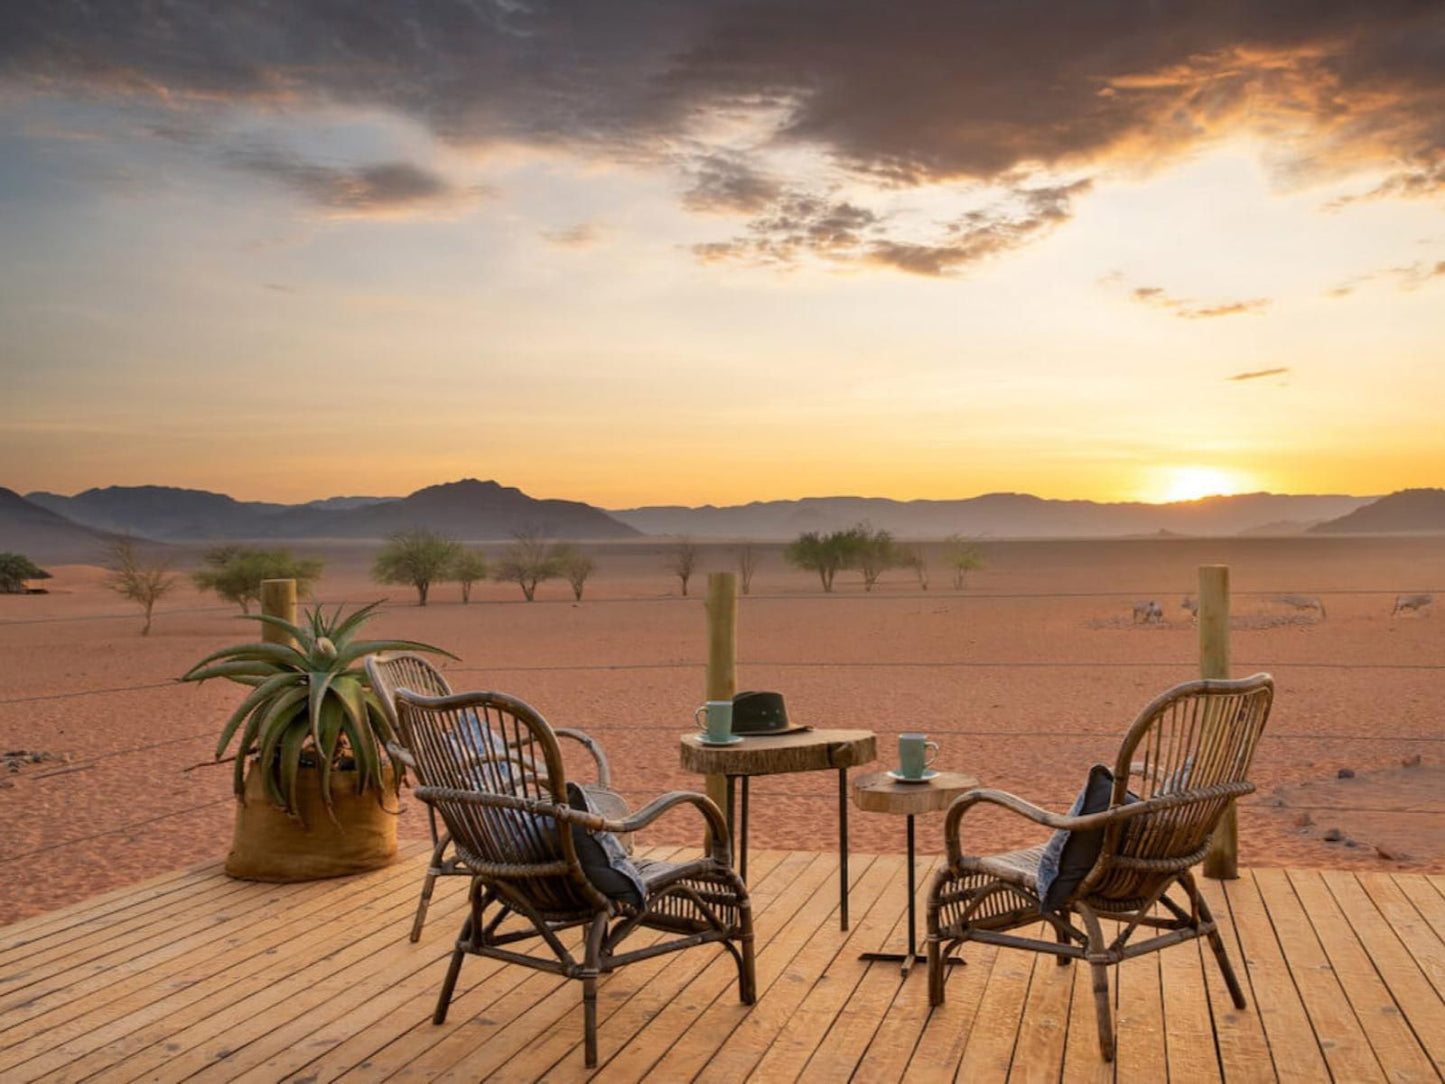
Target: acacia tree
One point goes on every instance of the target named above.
(235, 572)
(824, 554)
(874, 553)
(575, 565)
(132, 577)
(527, 562)
(682, 561)
(15, 570)
(415, 558)
(963, 557)
(747, 555)
(468, 567)
(914, 558)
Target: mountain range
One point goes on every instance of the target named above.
(57, 528)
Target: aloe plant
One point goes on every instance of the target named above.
(309, 702)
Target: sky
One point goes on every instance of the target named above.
(698, 252)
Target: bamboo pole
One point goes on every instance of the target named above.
(278, 599)
(1222, 861)
(722, 656)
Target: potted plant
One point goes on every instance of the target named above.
(316, 792)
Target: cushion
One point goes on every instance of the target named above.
(1069, 856)
(603, 859)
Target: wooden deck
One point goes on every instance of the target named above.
(192, 975)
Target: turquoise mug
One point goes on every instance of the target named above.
(715, 718)
(913, 758)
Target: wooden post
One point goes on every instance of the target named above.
(1222, 861)
(722, 657)
(278, 599)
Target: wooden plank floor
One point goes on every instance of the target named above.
(194, 976)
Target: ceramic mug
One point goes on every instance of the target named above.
(913, 758)
(716, 719)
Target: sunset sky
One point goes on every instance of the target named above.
(644, 252)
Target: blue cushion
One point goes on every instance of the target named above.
(603, 859)
(1069, 856)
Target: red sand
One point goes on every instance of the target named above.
(1024, 692)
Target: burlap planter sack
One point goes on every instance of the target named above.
(270, 846)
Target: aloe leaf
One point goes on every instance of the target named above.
(363, 748)
(332, 717)
(249, 668)
(291, 744)
(360, 648)
(302, 636)
(319, 681)
(344, 630)
(280, 715)
(277, 653)
(253, 700)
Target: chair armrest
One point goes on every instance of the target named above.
(1058, 821)
(604, 771)
(720, 841)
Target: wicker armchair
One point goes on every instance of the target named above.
(387, 674)
(515, 827)
(1182, 762)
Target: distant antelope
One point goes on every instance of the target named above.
(1304, 602)
(1190, 605)
(1151, 613)
(1413, 603)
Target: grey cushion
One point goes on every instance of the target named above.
(603, 859)
(1069, 856)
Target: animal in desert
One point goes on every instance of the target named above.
(1150, 613)
(1190, 606)
(1304, 602)
(1413, 603)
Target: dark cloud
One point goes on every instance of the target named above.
(1186, 308)
(388, 187)
(1259, 374)
(797, 225)
(919, 91)
(726, 183)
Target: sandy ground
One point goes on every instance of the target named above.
(1025, 679)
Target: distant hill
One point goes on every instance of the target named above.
(999, 515)
(468, 510)
(44, 536)
(164, 512)
(1410, 511)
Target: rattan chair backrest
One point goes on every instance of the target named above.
(1194, 744)
(499, 771)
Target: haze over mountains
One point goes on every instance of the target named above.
(58, 528)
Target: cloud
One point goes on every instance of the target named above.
(1407, 277)
(727, 184)
(798, 226)
(582, 235)
(923, 92)
(385, 188)
(1186, 308)
(1259, 374)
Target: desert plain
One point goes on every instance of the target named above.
(1025, 677)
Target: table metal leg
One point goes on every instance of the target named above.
(843, 848)
(743, 857)
(912, 956)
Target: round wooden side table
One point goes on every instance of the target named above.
(878, 792)
(804, 751)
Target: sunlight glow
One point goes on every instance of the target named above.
(1192, 483)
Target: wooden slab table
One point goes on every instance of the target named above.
(808, 751)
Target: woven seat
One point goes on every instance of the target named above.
(1181, 764)
(387, 674)
(507, 812)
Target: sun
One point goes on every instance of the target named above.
(1191, 483)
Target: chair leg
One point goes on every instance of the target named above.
(747, 961)
(936, 966)
(427, 885)
(444, 999)
(1098, 961)
(591, 968)
(1217, 944)
(1062, 938)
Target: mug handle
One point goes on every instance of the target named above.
(934, 746)
(701, 709)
